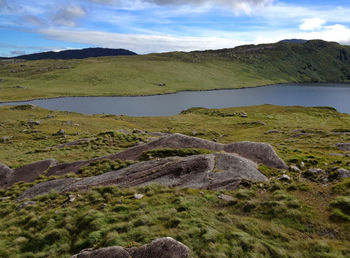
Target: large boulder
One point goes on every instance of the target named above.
(30, 172)
(165, 247)
(257, 152)
(210, 171)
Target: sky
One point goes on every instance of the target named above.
(148, 26)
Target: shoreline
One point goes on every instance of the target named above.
(3, 103)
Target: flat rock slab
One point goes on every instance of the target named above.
(257, 152)
(160, 248)
(210, 171)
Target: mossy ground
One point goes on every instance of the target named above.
(305, 217)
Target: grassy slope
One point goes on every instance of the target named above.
(276, 219)
(140, 75)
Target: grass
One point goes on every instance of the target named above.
(303, 217)
(248, 66)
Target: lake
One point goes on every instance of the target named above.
(330, 94)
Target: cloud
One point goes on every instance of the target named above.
(312, 24)
(67, 15)
(140, 43)
(33, 20)
(337, 32)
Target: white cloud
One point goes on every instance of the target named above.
(140, 43)
(67, 16)
(338, 32)
(312, 24)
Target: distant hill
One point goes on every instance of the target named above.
(243, 66)
(76, 54)
(296, 41)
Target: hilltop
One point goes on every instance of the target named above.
(75, 54)
(243, 66)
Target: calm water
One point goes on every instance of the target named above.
(333, 95)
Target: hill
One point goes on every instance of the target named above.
(76, 54)
(243, 66)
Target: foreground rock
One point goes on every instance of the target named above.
(5, 174)
(160, 248)
(210, 171)
(257, 152)
(27, 173)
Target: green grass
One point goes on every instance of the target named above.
(248, 66)
(301, 218)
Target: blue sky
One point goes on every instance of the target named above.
(146, 26)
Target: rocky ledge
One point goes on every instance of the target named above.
(161, 248)
(211, 171)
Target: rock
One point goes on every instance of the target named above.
(243, 114)
(138, 196)
(28, 173)
(209, 171)
(60, 132)
(2, 80)
(257, 152)
(343, 173)
(284, 178)
(5, 174)
(225, 197)
(71, 198)
(273, 132)
(4, 198)
(302, 165)
(160, 248)
(343, 146)
(31, 122)
(161, 84)
(294, 168)
(67, 123)
(24, 205)
(336, 154)
(74, 143)
(50, 116)
(315, 171)
(20, 87)
(5, 139)
(138, 131)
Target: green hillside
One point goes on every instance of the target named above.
(244, 66)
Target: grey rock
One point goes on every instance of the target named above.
(336, 154)
(24, 205)
(5, 174)
(74, 143)
(243, 114)
(257, 152)
(343, 173)
(302, 165)
(273, 132)
(138, 196)
(315, 170)
(225, 197)
(4, 198)
(284, 178)
(294, 168)
(343, 146)
(160, 248)
(28, 173)
(161, 84)
(210, 171)
(60, 132)
(2, 80)
(5, 139)
(31, 122)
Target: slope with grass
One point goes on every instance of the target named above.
(306, 216)
(244, 66)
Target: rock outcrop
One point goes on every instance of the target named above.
(257, 152)
(210, 171)
(161, 248)
(27, 173)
